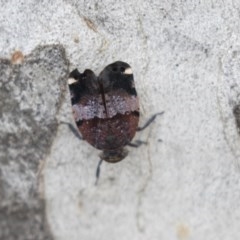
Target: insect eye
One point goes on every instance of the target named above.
(122, 69)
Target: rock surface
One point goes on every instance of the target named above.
(185, 57)
(30, 97)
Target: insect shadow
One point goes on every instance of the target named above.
(106, 110)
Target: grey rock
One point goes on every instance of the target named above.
(31, 94)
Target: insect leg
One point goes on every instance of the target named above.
(98, 171)
(150, 120)
(72, 128)
(137, 143)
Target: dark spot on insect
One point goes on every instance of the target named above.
(136, 113)
(79, 123)
(122, 69)
(75, 74)
(106, 109)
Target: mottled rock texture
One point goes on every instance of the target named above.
(185, 57)
(31, 94)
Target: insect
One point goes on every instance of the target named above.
(106, 110)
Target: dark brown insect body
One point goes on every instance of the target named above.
(106, 108)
